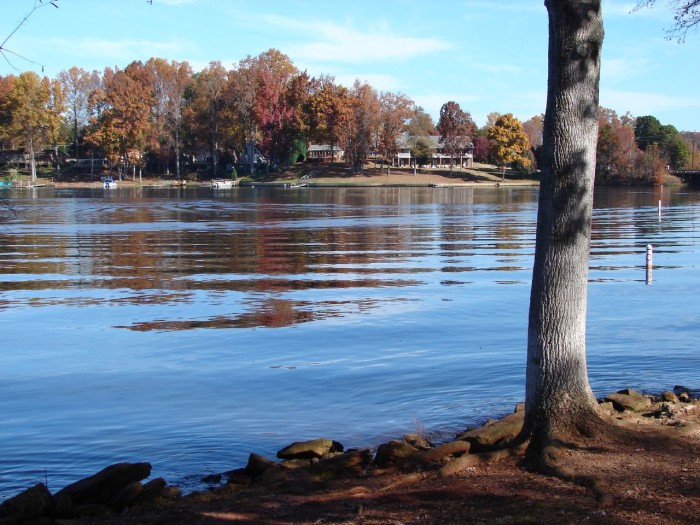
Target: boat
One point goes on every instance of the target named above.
(302, 183)
(108, 183)
(223, 184)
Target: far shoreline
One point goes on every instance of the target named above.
(318, 175)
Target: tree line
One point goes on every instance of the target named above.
(158, 115)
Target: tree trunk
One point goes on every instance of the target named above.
(32, 160)
(177, 153)
(559, 402)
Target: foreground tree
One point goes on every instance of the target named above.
(560, 406)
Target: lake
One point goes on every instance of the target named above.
(189, 328)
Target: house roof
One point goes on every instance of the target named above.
(404, 141)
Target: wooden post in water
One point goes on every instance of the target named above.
(650, 251)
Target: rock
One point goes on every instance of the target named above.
(31, 503)
(630, 392)
(125, 497)
(634, 402)
(92, 509)
(172, 493)
(297, 463)
(41, 520)
(394, 453)
(685, 397)
(257, 465)
(353, 461)
(152, 490)
(607, 406)
(212, 479)
(452, 448)
(316, 448)
(495, 433)
(62, 506)
(418, 441)
(99, 488)
(670, 397)
(238, 477)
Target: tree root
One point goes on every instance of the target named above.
(472, 460)
(550, 463)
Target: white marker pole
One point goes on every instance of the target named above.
(650, 251)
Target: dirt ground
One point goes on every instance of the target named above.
(649, 473)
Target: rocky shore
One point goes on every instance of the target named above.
(404, 478)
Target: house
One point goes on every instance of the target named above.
(439, 159)
(323, 153)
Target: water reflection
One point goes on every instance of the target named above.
(155, 249)
(267, 313)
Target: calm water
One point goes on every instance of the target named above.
(189, 329)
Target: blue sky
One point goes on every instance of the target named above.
(488, 55)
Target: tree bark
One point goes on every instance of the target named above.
(559, 401)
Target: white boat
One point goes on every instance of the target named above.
(222, 184)
(109, 183)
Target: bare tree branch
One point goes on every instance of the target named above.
(686, 16)
(4, 51)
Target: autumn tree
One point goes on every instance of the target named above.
(422, 150)
(482, 147)
(297, 127)
(170, 82)
(395, 109)
(31, 104)
(533, 128)
(560, 405)
(692, 141)
(123, 126)
(616, 150)
(363, 123)
(207, 100)
(77, 85)
(420, 124)
(6, 84)
(456, 129)
(55, 131)
(273, 110)
(330, 112)
(508, 141)
(491, 119)
(419, 129)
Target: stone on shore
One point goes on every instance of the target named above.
(495, 433)
(353, 461)
(258, 465)
(446, 450)
(101, 487)
(32, 503)
(629, 399)
(314, 449)
(670, 397)
(394, 453)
